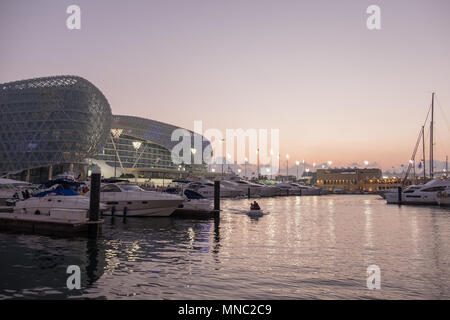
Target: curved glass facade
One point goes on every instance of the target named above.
(138, 143)
(50, 121)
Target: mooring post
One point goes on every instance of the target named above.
(217, 195)
(399, 195)
(94, 203)
(125, 210)
(248, 192)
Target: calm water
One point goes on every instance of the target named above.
(306, 247)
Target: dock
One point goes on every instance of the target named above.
(42, 225)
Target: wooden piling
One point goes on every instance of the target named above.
(94, 203)
(217, 196)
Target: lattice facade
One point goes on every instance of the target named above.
(140, 143)
(52, 120)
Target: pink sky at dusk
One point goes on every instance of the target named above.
(336, 90)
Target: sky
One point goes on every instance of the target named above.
(312, 69)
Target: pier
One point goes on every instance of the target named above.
(37, 224)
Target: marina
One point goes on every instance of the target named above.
(305, 248)
(223, 156)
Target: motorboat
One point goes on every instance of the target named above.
(307, 190)
(287, 189)
(268, 190)
(206, 189)
(245, 186)
(419, 194)
(131, 200)
(10, 189)
(443, 197)
(255, 213)
(193, 201)
(54, 203)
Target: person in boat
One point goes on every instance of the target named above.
(255, 206)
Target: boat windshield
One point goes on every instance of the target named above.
(131, 187)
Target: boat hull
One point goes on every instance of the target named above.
(142, 208)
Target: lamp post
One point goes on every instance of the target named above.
(115, 135)
(303, 161)
(193, 151)
(329, 163)
(297, 164)
(287, 166)
(228, 164)
(245, 167)
(136, 146)
(271, 169)
(257, 158)
(221, 141)
(279, 164)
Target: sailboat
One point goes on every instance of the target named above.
(423, 193)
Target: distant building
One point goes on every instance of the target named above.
(143, 147)
(64, 123)
(50, 125)
(347, 179)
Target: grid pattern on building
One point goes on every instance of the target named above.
(142, 143)
(52, 120)
(148, 155)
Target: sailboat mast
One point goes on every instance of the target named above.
(423, 154)
(431, 138)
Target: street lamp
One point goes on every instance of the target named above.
(271, 156)
(245, 167)
(136, 146)
(115, 135)
(366, 163)
(279, 164)
(330, 163)
(287, 165)
(257, 158)
(221, 141)
(297, 163)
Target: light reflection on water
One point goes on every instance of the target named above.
(306, 247)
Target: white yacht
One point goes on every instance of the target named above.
(206, 189)
(268, 190)
(443, 197)
(11, 189)
(58, 204)
(288, 189)
(307, 190)
(194, 201)
(243, 186)
(419, 194)
(138, 201)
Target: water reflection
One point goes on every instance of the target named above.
(306, 247)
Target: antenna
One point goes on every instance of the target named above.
(431, 138)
